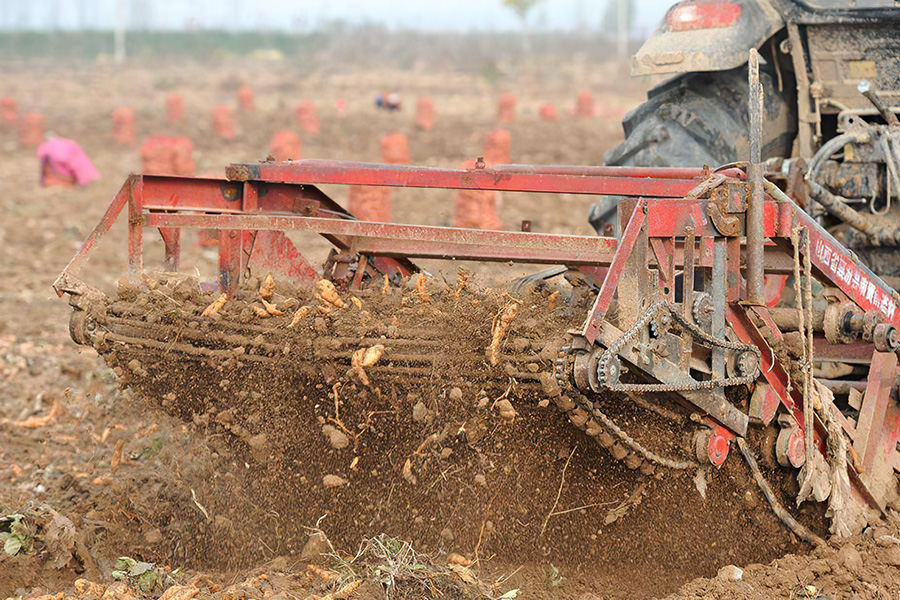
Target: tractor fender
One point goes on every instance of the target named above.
(712, 48)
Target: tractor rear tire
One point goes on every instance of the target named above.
(700, 119)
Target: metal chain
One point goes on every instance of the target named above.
(602, 419)
(627, 440)
(693, 385)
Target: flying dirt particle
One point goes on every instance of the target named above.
(337, 438)
(419, 412)
(456, 394)
(480, 479)
(447, 535)
(333, 481)
(544, 403)
(446, 453)
(407, 472)
(259, 446)
(153, 536)
(506, 410)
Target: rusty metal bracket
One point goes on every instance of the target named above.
(719, 213)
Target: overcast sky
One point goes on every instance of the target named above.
(305, 15)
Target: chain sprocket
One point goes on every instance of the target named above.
(587, 417)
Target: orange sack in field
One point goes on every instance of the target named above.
(245, 98)
(373, 203)
(547, 112)
(31, 130)
(394, 149)
(222, 122)
(174, 107)
(9, 112)
(162, 155)
(506, 108)
(475, 209)
(307, 118)
(497, 147)
(370, 203)
(584, 105)
(285, 145)
(425, 113)
(123, 125)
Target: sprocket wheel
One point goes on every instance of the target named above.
(702, 310)
(608, 373)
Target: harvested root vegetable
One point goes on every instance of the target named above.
(500, 329)
(38, 422)
(89, 588)
(344, 592)
(260, 311)
(362, 358)
(267, 288)
(299, 316)
(216, 306)
(372, 355)
(422, 291)
(313, 572)
(326, 292)
(270, 308)
(117, 456)
(386, 286)
(457, 559)
(551, 299)
(462, 281)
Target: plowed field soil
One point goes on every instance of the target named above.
(224, 478)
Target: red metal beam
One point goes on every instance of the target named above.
(636, 223)
(417, 240)
(64, 282)
(870, 427)
(355, 173)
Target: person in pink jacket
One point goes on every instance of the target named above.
(63, 162)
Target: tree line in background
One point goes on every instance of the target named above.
(338, 43)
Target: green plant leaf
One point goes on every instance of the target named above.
(147, 580)
(139, 568)
(124, 563)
